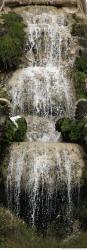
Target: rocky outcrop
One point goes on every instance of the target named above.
(42, 2)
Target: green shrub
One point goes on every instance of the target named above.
(79, 79)
(79, 28)
(12, 133)
(11, 42)
(21, 131)
(59, 124)
(80, 75)
(72, 131)
(81, 64)
(66, 128)
(13, 231)
(76, 133)
(9, 132)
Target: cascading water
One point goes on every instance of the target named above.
(55, 166)
(42, 172)
(43, 87)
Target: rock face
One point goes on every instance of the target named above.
(42, 2)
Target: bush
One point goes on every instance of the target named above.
(76, 133)
(81, 64)
(11, 42)
(13, 231)
(66, 128)
(72, 131)
(21, 131)
(80, 76)
(9, 131)
(12, 133)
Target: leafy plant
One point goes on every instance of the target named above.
(21, 131)
(79, 78)
(81, 64)
(72, 131)
(80, 75)
(11, 41)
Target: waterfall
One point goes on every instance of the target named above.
(43, 172)
(54, 165)
(42, 86)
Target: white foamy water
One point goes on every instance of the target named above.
(42, 91)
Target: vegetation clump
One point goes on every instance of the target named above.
(79, 27)
(71, 130)
(80, 76)
(21, 130)
(13, 132)
(12, 38)
(79, 30)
